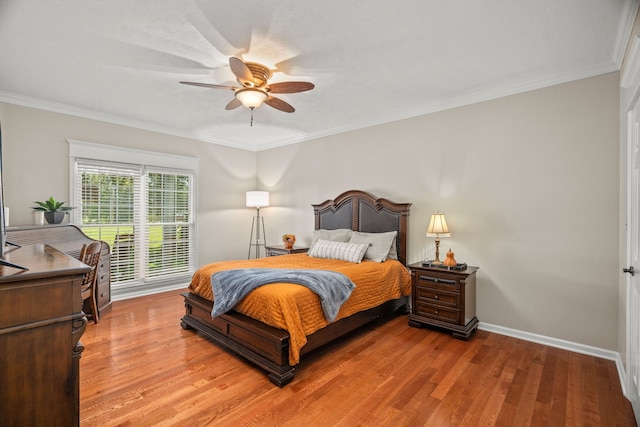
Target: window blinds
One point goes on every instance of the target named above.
(145, 213)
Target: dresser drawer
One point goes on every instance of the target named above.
(435, 281)
(438, 312)
(431, 296)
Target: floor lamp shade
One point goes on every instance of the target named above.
(257, 199)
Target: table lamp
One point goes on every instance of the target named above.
(438, 228)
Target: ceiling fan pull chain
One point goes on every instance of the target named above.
(252, 108)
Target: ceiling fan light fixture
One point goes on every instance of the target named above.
(255, 88)
(251, 97)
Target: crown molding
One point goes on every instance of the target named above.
(627, 20)
(480, 95)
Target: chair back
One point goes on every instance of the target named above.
(90, 255)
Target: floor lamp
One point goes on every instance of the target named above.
(257, 199)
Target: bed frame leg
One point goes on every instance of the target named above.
(185, 325)
(282, 379)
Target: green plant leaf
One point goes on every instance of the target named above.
(52, 205)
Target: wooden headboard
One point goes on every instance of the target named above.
(361, 211)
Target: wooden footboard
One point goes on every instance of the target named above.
(263, 345)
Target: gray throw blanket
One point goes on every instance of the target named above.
(231, 286)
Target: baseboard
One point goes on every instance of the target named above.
(122, 293)
(563, 344)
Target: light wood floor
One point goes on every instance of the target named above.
(140, 368)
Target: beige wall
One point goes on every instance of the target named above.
(36, 166)
(529, 185)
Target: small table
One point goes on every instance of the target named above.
(281, 250)
(444, 298)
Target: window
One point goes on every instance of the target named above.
(144, 212)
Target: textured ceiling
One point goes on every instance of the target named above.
(371, 61)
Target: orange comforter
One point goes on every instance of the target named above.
(297, 309)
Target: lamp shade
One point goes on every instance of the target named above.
(438, 226)
(251, 97)
(257, 199)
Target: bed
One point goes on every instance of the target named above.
(272, 340)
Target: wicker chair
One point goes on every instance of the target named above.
(90, 255)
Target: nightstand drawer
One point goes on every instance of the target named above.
(438, 312)
(435, 281)
(430, 296)
(281, 250)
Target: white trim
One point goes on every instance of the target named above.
(123, 293)
(630, 72)
(470, 98)
(628, 140)
(564, 345)
(629, 93)
(144, 161)
(624, 30)
(484, 94)
(630, 78)
(110, 153)
(70, 110)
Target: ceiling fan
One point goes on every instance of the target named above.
(254, 89)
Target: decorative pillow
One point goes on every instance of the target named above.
(327, 249)
(393, 252)
(337, 235)
(379, 244)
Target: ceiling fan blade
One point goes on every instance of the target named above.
(290, 87)
(233, 104)
(279, 104)
(242, 72)
(209, 85)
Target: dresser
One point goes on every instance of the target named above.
(444, 298)
(69, 239)
(41, 322)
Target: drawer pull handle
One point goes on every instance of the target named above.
(436, 312)
(435, 297)
(437, 280)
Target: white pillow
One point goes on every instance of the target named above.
(393, 252)
(327, 249)
(379, 244)
(337, 235)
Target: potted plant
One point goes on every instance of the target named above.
(54, 211)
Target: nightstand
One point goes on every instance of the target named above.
(444, 298)
(281, 250)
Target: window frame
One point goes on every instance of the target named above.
(145, 160)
